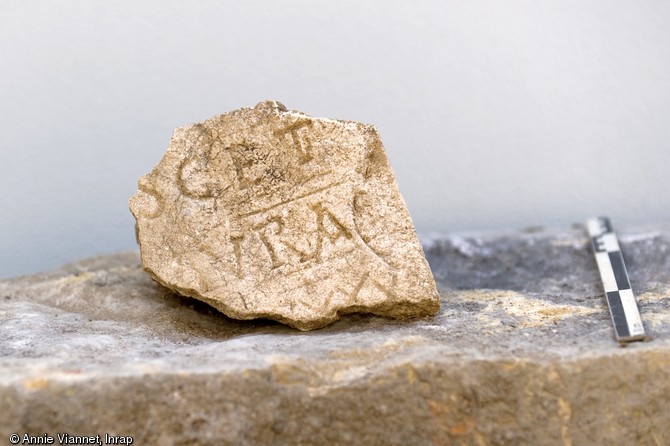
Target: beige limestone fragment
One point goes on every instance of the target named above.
(269, 213)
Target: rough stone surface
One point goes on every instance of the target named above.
(271, 213)
(521, 353)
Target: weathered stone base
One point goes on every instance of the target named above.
(522, 352)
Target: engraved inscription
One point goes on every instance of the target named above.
(268, 232)
(193, 177)
(281, 203)
(205, 173)
(249, 165)
(357, 289)
(150, 205)
(298, 132)
(328, 226)
(356, 293)
(282, 245)
(366, 282)
(367, 225)
(267, 212)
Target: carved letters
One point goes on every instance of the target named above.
(282, 245)
(266, 212)
(248, 165)
(301, 144)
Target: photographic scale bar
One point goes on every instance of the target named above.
(620, 299)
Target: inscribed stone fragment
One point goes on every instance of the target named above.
(269, 213)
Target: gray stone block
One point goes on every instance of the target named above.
(522, 352)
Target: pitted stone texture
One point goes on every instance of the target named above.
(270, 213)
(99, 347)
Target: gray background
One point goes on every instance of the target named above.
(495, 115)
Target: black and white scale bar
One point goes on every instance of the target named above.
(620, 298)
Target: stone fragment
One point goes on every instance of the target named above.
(269, 213)
(521, 353)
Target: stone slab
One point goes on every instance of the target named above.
(522, 352)
(270, 213)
